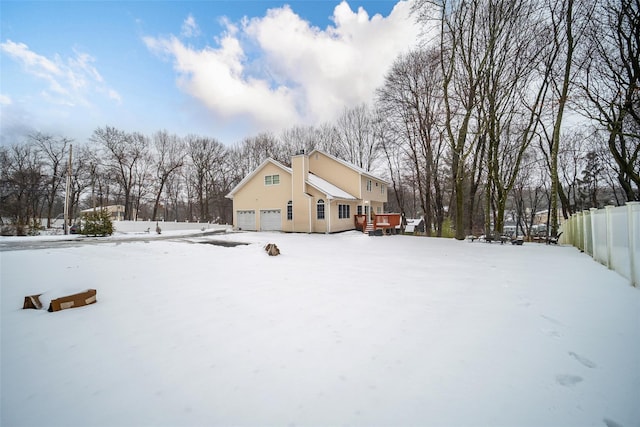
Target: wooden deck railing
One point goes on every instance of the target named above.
(381, 221)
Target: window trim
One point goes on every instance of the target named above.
(344, 211)
(271, 179)
(320, 203)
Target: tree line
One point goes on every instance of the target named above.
(510, 106)
(507, 107)
(156, 177)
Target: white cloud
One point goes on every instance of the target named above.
(300, 73)
(5, 99)
(70, 82)
(115, 96)
(190, 27)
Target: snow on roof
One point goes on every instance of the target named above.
(329, 189)
(352, 166)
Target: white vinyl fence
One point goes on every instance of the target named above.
(610, 235)
(143, 226)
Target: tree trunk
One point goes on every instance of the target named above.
(555, 181)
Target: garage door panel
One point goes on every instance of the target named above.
(271, 220)
(246, 220)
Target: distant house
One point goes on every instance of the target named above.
(541, 218)
(115, 211)
(414, 225)
(319, 193)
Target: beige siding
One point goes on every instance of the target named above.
(346, 178)
(301, 221)
(331, 222)
(318, 225)
(342, 224)
(255, 195)
(335, 172)
(378, 192)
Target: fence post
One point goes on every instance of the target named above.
(579, 227)
(607, 211)
(572, 230)
(584, 233)
(592, 235)
(633, 226)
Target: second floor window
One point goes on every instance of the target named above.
(320, 209)
(271, 179)
(369, 185)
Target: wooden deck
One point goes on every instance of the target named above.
(387, 222)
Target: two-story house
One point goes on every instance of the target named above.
(319, 193)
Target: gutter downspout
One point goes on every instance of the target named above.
(310, 226)
(309, 199)
(328, 227)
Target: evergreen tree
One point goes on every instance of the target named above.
(98, 223)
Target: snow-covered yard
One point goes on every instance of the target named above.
(341, 329)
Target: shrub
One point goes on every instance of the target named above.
(97, 223)
(447, 229)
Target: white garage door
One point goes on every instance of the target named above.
(271, 220)
(247, 220)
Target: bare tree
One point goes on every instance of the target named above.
(205, 155)
(567, 26)
(512, 92)
(463, 62)
(610, 84)
(169, 153)
(143, 177)
(55, 151)
(411, 103)
(22, 185)
(528, 190)
(123, 153)
(394, 155)
(252, 151)
(83, 167)
(297, 138)
(356, 133)
(327, 140)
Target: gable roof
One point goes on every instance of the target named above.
(254, 173)
(351, 166)
(330, 190)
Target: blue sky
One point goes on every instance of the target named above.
(224, 69)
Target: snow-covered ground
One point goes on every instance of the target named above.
(341, 329)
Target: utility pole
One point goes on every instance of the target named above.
(67, 191)
(93, 186)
